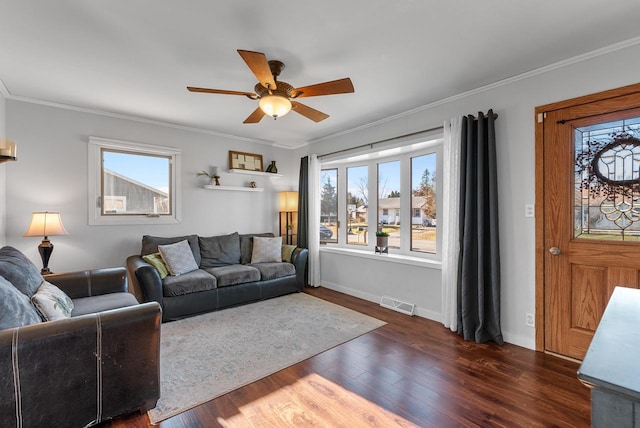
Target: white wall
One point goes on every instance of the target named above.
(514, 101)
(51, 174)
(3, 178)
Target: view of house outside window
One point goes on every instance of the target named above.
(389, 219)
(135, 183)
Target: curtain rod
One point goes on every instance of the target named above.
(386, 140)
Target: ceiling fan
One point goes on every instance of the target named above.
(277, 98)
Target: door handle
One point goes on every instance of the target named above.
(555, 251)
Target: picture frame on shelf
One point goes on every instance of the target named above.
(245, 161)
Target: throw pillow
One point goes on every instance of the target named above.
(150, 244)
(266, 250)
(19, 271)
(52, 303)
(287, 252)
(246, 245)
(178, 258)
(156, 261)
(15, 308)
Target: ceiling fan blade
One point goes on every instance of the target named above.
(340, 86)
(220, 91)
(259, 65)
(255, 117)
(308, 112)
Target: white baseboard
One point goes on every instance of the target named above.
(519, 340)
(514, 339)
(421, 312)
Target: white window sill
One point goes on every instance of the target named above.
(388, 258)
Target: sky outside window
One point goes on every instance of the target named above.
(150, 170)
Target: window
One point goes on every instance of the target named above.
(357, 203)
(607, 202)
(329, 205)
(405, 183)
(132, 183)
(423, 203)
(389, 201)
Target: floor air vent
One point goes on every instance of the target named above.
(397, 305)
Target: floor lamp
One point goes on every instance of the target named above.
(288, 207)
(45, 224)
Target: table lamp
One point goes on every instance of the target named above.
(46, 224)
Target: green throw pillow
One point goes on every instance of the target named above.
(287, 252)
(156, 261)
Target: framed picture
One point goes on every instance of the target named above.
(246, 161)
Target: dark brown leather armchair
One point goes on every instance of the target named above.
(85, 369)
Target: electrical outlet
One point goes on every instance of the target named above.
(530, 320)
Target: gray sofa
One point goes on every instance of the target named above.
(101, 362)
(225, 275)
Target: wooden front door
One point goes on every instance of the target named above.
(588, 213)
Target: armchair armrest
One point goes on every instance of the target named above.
(147, 277)
(89, 283)
(299, 260)
(97, 366)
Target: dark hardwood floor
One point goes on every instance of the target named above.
(411, 372)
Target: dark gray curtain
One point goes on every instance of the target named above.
(479, 266)
(303, 203)
(303, 210)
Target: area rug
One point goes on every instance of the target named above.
(209, 355)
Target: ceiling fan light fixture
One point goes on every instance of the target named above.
(275, 105)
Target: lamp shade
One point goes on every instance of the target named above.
(288, 202)
(46, 224)
(8, 150)
(275, 105)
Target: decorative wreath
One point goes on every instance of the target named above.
(605, 152)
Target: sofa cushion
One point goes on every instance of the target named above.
(150, 244)
(221, 250)
(15, 308)
(234, 274)
(102, 302)
(191, 282)
(274, 270)
(19, 271)
(246, 246)
(266, 250)
(52, 303)
(178, 258)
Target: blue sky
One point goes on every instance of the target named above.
(150, 170)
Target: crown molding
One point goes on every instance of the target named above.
(541, 70)
(9, 96)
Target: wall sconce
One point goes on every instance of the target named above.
(45, 224)
(8, 150)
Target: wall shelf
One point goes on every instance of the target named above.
(249, 172)
(234, 188)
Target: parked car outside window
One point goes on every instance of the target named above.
(325, 232)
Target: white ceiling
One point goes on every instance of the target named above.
(136, 58)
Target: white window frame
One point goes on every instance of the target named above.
(403, 153)
(95, 147)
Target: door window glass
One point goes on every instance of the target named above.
(607, 181)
